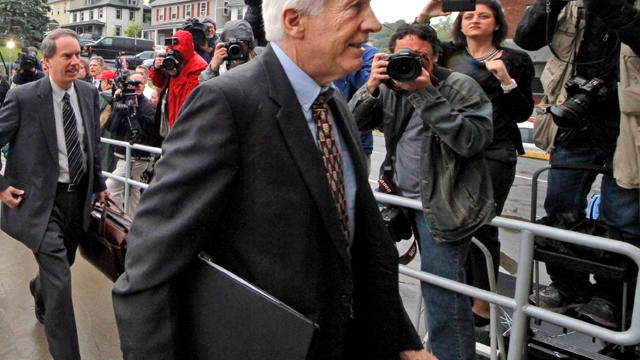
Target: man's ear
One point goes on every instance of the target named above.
(293, 23)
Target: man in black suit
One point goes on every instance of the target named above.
(242, 178)
(53, 168)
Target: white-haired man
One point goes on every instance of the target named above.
(247, 173)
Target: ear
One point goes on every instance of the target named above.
(293, 23)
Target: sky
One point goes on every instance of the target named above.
(392, 10)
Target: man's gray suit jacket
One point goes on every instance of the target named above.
(242, 178)
(27, 124)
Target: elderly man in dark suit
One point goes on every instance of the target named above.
(247, 175)
(52, 170)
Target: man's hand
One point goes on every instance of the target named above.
(11, 196)
(378, 72)
(431, 10)
(102, 196)
(157, 63)
(219, 55)
(420, 82)
(417, 355)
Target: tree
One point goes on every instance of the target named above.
(381, 39)
(134, 30)
(23, 20)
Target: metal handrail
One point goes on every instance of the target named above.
(522, 310)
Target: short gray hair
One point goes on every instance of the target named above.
(49, 42)
(99, 58)
(272, 14)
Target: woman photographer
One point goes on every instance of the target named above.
(505, 74)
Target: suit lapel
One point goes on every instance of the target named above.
(302, 148)
(85, 112)
(46, 116)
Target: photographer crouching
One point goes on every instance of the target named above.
(29, 68)
(132, 120)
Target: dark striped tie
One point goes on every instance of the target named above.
(332, 160)
(74, 153)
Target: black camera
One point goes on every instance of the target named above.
(397, 223)
(234, 50)
(582, 94)
(27, 61)
(404, 66)
(172, 60)
(458, 5)
(125, 103)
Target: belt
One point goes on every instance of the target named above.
(69, 188)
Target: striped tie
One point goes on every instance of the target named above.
(74, 153)
(332, 160)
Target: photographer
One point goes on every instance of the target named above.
(28, 67)
(426, 109)
(131, 120)
(237, 46)
(178, 71)
(581, 98)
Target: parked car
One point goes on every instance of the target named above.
(85, 40)
(138, 59)
(109, 46)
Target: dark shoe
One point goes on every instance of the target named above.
(39, 304)
(551, 299)
(599, 311)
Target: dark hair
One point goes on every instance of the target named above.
(422, 31)
(498, 14)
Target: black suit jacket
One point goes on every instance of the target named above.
(242, 178)
(27, 124)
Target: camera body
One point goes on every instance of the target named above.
(458, 5)
(27, 61)
(404, 66)
(173, 60)
(582, 94)
(125, 104)
(234, 50)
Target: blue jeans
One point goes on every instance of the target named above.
(567, 190)
(449, 317)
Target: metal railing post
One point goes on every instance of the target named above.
(517, 339)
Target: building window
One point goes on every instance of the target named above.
(187, 10)
(118, 13)
(99, 13)
(75, 17)
(203, 8)
(118, 30)
(132, 15)
(239, 13)
(90, 14)
(81, 15)
(160, 14)
(174, 12)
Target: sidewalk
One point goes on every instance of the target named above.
(22, 337)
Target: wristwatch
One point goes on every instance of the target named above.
(507, 88)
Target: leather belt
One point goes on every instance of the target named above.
(64, 187)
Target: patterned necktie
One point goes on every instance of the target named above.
(74, 153)
(332, 160)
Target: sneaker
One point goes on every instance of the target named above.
(599, 311)
(551, 299)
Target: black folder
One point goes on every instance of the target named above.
(226, 317)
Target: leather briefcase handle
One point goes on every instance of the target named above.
(108, 206)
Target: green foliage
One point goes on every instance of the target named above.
(134, 30)
(25, 21)
(381, 38)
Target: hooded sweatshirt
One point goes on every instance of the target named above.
(180, 86)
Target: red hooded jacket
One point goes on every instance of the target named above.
(180, 86)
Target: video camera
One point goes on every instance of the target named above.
(125, 103)
(27, 61)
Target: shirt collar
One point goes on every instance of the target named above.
(58, 92)
(305, 88)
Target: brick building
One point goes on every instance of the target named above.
(513, 10)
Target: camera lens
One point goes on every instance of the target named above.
(169, 63)
(404, 69)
